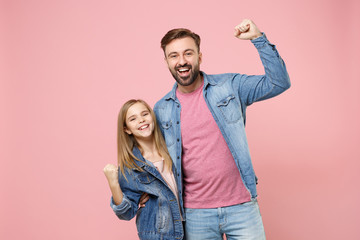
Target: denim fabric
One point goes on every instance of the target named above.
(242, 221)
(227, 96)
(160, 218)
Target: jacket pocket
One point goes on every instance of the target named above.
(145, 178)
(149, 184)
(168, 131)
(163, 216)
(230, 109)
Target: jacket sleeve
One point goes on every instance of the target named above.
(128, 208)
(260, 87)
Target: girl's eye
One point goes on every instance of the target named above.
(131, 119)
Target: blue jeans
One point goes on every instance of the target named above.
(241, 221)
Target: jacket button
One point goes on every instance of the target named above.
(178, 140)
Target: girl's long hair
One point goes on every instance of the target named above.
(126, 142)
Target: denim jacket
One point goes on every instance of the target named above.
(227, 96)
(160, 218)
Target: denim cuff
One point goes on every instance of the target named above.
(260, 41)
(122, 207)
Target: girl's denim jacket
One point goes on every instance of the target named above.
(227, 96)
(160, 218)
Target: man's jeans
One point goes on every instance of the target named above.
(241, 221)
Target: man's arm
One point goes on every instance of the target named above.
(276, 79)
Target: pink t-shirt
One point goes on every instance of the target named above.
(210, 176)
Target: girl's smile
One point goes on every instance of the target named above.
(139, 121)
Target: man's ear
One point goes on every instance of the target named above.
(200, 58)
(166, 62)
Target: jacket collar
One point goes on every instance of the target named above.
(138, 155)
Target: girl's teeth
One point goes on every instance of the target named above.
(143, 127)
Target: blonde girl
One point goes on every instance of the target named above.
(144, 166)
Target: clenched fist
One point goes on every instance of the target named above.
(247, 30)
(111, 173)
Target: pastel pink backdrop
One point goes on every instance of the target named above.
(66, 67)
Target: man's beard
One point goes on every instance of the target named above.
(183, 81)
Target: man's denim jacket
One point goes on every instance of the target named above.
(160, 218)
(227, 96)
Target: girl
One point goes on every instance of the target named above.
(145, 166)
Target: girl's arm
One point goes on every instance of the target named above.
(125, 193)
(111, 173)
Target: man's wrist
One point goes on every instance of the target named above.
(257, 36)
(260, 41)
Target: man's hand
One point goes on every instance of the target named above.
(247, 30)
(143, 199)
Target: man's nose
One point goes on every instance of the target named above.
(182, 60)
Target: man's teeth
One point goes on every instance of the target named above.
(183, 70)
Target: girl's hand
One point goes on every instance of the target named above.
(111, 173)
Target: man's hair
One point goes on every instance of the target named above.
(179, 33)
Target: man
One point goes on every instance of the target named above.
(203, 122)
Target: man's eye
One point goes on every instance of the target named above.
(188, 54)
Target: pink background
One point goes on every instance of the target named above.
(66, 67)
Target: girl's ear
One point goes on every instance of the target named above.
(127, 131)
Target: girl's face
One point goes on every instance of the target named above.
(139, 121)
